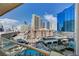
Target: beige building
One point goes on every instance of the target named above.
(40, 33)
(23, 28)
(36, 22)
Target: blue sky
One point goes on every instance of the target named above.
(25, 11)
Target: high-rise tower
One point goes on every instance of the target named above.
(36, 22)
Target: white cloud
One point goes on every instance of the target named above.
(52, 20)
(7, 23)
(49, 17)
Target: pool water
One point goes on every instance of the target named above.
(29, 52)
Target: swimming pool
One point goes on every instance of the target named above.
(29, 52)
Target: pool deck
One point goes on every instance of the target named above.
(53, 53)
(46, 53)
(2, 53)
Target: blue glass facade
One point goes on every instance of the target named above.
(66, 19)
(60, 20)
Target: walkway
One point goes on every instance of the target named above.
(53, 53)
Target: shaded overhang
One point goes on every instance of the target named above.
(6, 7)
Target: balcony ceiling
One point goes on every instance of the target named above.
(6, 7)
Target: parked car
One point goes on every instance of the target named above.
(22, 41)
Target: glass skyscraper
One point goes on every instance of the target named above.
(66, 19)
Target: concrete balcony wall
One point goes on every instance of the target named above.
(77, 28)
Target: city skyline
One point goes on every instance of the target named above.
(25, 11)
(44, 16)
(47, 29)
